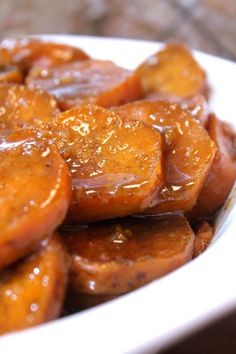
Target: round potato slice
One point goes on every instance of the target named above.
(33, 290)
(35, 191)
(27, 53)
(90, 81)
(222, 173)
(11, 74)
(189, 152)
(22, 107)
(115, 163)
(173, 70)
(116, 257)
(204, 234)
(196, 105)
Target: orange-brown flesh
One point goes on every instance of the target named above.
(11, 74)
(91, 81)
(189, 152)
(22, 107)
(196, 105)
(35, 192)
(115, 164)
(116, 257)
(33, 290)
(28, 53)
(204, 234)
(173, 70)
(222, 174)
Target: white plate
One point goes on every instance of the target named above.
(151, 318)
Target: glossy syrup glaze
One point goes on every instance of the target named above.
(32, 291)
(118, 256)
(188, 151)
(35, 191)
(22, 107)
(195, 105)
(90, 81)
(222, 174)
(116, 165)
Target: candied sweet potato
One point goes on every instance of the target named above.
(22, 107)
(90, 81)
(35, 191)
(32, 291)
(222, 173)
(11, 74)
(115, 163)
(118, 256)
(189, 152)
(196, 105)
(173, 70)
(27, 53)
(204, 234)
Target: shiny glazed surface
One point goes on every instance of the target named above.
(35, 191)
(188, 151)
(122, 255)
(91, 81)
(115, 163)
(196, 105)
(21, 107)
(221, 177)
(32, 291)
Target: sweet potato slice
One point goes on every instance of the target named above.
(196, 105)
(32, 291)
(11, 74)
(222, 174)
(173, 70)
(204, 234)
(27, 53)
(189, 152)
(90, 81)
(116, 257)
(22, 107)
(35, 191)
(115, 163)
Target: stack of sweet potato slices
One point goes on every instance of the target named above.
(124, 163)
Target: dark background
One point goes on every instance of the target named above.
(208, 25)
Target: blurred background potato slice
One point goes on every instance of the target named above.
(173, 70)
(27, 53)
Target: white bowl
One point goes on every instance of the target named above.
(151, 318)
